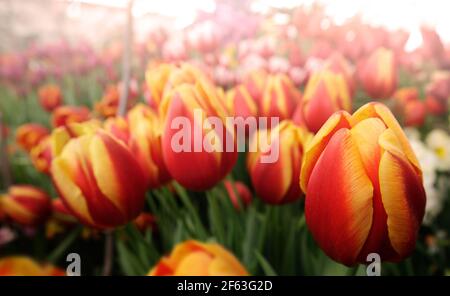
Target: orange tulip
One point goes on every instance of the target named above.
(378, 74)
(193, 258)
(145, 144)
(280, 97)
(284, 173)
(50, 97)
(184, 137)
(239, 194)
(363, 184)
(325, 93)
(99, 180)
(26, 205)
(30, 134)
(65, 115)
(24, 266)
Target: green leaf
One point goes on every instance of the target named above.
(265, 265)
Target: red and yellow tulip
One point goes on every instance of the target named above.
(192, 165)
(280, 97)
(193, 258)
(378, 74)
(41, 155)
(363, 185)
(99, 180)
(325, 93)
(145, 144)
(66, 115)
(241, 103)
(30, 134)
(255, 82)
(289, 139)
(26, 205)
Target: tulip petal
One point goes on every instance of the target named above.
(314, 149)
(403, 197)
(338, 205)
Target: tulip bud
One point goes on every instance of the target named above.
(145, 221)
(26, 205)
(378, 74)
(239, 194)
(50, 97)
(41, 155)
(363, 184)
(325, 93)
(66, 115)
(193, 258)
(284, 171)
(145, 144)
(30, 134)
(196, 154)
(99, 180)
(280, 97)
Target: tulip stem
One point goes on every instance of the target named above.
(109, 251)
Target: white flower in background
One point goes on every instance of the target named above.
(438, 141)
(429, 162)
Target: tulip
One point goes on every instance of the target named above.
(30, 134)
(415, 113)
(26, 205)
(436, 106)
(378, 74)
(50, 97)
(197, 157)
(255, 83)
(193, 258)
(337, 64)
(325, 93)
(409, 106)
(65, 115)
(363, 185)
(239, 194)
(163, 78)
(118, 127)
(289, 140)
(41, 155)
(156, 78)
(24, 266)
(99, 180)
(145, 144)
(240, 102)
(62, 135)
(439, 86)
(280, 97)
